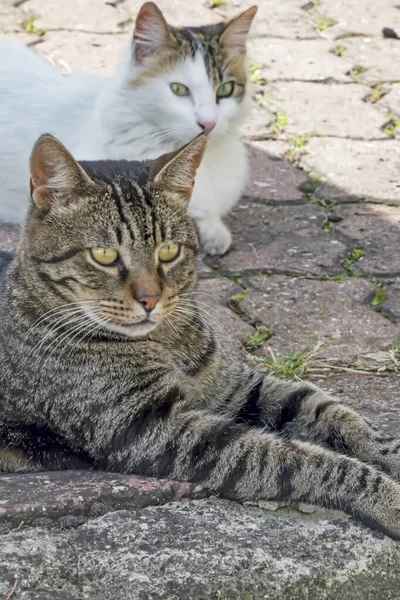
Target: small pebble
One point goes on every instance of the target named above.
(389, 33)
(334, 218)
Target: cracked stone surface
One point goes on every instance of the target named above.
(313, 108)
(355, 169)
(304, 60)
(203, 549)
(375, 228)
(324, 183)
(272, 179)
(377, 56)
(367, 20)
(300, 312)
(213, 296)
(282, 238)
(391, 305)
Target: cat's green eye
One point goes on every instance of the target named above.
(104, 256)
(168, 252)
(226, 89)
(179, 89)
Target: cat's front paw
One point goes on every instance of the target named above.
(215, 237)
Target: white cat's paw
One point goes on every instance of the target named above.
(215, 237)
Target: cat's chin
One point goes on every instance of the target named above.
(133, 330)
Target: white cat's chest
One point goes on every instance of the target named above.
(220, 178)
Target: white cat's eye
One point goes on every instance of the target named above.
(226, 89)
(179, 89)
(168, 253)
(104, 256)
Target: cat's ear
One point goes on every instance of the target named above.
(237, 30)
(151, 35)
(55, 174)
(176, 171)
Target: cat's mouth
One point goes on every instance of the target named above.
(138, 327)
(131, 323)
(132, 329)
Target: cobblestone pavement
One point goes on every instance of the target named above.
(311, 286)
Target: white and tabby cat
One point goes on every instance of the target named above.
(172, 84)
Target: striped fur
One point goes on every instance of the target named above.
(174, 402)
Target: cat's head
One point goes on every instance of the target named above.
(111, 242)
(190, 79)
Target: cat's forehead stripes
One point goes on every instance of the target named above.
(206, 40)
(127, 194)
(209, 48)
(137, 211)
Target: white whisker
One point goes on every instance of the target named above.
(54, 312)
(60, 324)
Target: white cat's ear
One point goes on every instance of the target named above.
(55, 174)
(176, 171)
(237, 30)
(151, 35)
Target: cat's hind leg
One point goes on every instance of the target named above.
(302, 411)
(239, 462)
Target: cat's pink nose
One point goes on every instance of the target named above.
(208, 126)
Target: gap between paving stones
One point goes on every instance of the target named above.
(340, 201)
(282, 138)
(243, 279)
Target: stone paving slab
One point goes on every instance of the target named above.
(277, 19)
(213, 297)
(273, 179)
(376, 229)
(183, 551)
(391, 102)
(90, 52)
(313, 108)
(282, 238)
(47, 497)
(305, 60)
(355, 170)
(368, 18)
(391, 306)
(106, 17)
(58, 15)
(379, 57)
(302, 313)
(282, 20)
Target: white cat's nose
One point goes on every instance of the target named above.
(207, 126)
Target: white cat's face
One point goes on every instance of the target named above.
(184, 116)
(190, 80)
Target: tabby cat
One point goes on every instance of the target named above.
(107, 362)
(172, 84)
